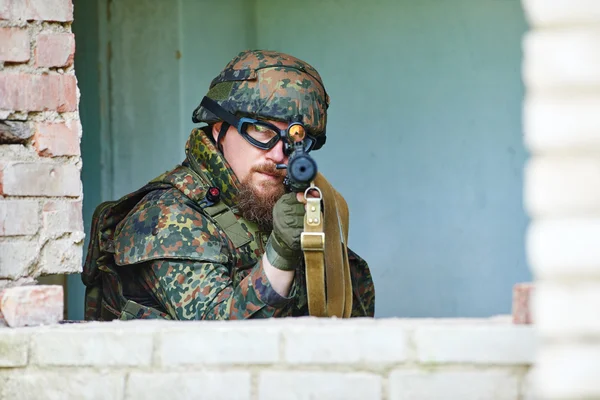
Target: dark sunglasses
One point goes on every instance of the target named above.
(258, 133)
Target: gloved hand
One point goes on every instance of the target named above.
(283, 247)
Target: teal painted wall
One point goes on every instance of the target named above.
(86, 30)
(164, 55)
(425, 141)
(424, 131)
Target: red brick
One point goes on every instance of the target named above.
(18, 217)
(57, 139)
(41, 179)
(55, 50)
(40, 10)
(521, 307)
(14, 45)
(62, 216)
(32, 305)
(24, 92)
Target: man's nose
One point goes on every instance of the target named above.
(276, 154)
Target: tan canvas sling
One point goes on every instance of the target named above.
(324, 243)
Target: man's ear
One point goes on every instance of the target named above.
(216, 128)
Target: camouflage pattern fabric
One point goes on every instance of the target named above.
(269, 85)
(181, 263)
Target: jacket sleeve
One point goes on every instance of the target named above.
(363, 302)
(201, 290)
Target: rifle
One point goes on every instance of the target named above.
(301, 168)
(335, 298)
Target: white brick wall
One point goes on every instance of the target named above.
(13, 348)
(41, 179)
(16, 256)
(564, 247)
(40, 131)
(561, 72)
(210, 385)
(563, 59)
(60, 217)
(568, 371)
(563, 185)
(309, 385)
(474, 384)
(300, 359)
(360, 344)
(568, 310)
(18, 217)
(476, 344)
(562, 12)
(100, 346)
(62, 256)
(63, 385)
(556, 122)
(221, 344)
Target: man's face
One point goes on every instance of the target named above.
(261, 183)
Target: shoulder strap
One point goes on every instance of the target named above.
(194, 187)
(226, 219)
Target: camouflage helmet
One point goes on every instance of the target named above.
(270, 85)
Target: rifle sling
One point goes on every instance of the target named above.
(328, 281)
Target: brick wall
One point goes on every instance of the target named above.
(41, 230)
(271, 359)
(562, 192)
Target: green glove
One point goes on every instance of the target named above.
(283, 247)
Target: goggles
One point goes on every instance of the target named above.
(260, 134)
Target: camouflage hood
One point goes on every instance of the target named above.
(205, 159)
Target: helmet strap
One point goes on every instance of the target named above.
(224, 127)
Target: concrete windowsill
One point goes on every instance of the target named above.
(327, 358)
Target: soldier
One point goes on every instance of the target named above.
(218, 237)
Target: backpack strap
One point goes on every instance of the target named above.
(194, 186)
(226, 219)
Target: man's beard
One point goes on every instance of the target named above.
(257, 205)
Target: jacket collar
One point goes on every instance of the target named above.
(205, 159)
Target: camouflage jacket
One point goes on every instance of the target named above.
(177, 260)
